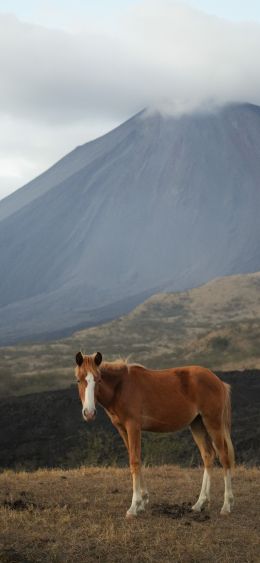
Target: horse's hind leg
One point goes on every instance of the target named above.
(204, 443)
(144, 491)
(222, 443)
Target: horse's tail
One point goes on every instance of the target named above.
(227, 425)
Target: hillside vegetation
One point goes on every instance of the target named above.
(78, 516)
(217, 325)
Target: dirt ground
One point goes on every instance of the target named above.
(79, 516)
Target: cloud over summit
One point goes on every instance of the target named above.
(162, 52)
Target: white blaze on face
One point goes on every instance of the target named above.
(89, 401)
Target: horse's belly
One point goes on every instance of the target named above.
(169, 420)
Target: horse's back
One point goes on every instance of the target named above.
(187, 378)
(194, 382)
(174, 396)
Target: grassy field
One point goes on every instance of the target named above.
(79, 516)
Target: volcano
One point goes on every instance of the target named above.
(161, 203)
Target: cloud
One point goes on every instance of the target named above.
(163, 53)
(190, 57)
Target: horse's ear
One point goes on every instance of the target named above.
(79, 359)
(98, 358)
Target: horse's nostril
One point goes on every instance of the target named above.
(89, 415)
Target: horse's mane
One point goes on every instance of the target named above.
(114, 368)
(117, 367)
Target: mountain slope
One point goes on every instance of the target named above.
(216, 325)
(160, 203)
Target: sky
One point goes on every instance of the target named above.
(72, 70)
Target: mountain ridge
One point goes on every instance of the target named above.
(159, 204)
(73, 163)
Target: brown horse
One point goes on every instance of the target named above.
(136, 399)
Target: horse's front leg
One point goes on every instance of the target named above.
(134, 448)
(144, 492)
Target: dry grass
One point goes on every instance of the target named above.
(78, 516)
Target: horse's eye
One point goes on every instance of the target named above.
(78, 380)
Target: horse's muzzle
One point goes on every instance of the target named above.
(89, 415)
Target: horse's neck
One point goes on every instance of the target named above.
(111, 378)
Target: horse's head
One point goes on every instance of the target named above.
(88, 377)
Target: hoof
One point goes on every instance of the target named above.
(196, 508)
(200, 504)
(130, 516)
(135, 509)
(225, 512)
(226, 508)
